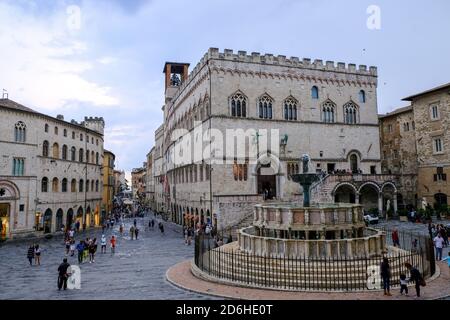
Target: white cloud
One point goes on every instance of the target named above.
(107, 60)
(44, 63)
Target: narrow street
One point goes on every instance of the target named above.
(136, 271)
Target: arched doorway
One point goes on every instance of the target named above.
(354, 163)
(97, 216)
(9, 195)
(345, 193)
(69, 219)
(88, 217)
(368, 196)
(59, 219)
(4, 220)
(47, 223)
(79, 217)
(266, 178)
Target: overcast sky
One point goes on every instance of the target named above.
(109, 62)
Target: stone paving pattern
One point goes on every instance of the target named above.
(136, 271)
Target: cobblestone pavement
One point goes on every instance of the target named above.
(136, 271)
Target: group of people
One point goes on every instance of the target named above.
(34, 253)
(415, 276)
(87, 249)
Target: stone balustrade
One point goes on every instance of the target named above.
(371, 245)
(288, 216)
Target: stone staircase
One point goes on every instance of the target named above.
(321, 190)
(245, 222)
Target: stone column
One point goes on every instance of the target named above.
(395, 203)
(349, 248)
(328, 249)
(357, 198)
(380, 204)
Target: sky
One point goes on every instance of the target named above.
(105, 57)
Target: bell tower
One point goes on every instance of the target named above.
(176, 73)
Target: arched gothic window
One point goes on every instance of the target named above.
(55, 150)
(81, 155)
(315, 92)
(55, 185)
(290, 109)
(328, 112)
(362, 96)
(72, 153)
(265, 107)
(64, 185)
(350, 113)
(96, 186)
(44, 184)
(19, 132)
(80, 185)
(45, 149)
(238, 105)
(73, 185)
(64, 152)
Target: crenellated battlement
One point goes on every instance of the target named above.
(279, 60)
(270, 59)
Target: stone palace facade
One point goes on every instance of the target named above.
(277, 109)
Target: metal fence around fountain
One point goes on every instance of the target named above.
(325, 274)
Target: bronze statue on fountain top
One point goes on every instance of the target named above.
(305, 179)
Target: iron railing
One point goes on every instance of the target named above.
(321, 273)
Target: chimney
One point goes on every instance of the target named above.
(60, 117)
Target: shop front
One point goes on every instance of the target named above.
(4, 220)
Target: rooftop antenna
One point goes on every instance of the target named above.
(5, 94)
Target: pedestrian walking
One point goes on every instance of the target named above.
(439, 244)
(132, 232)
(161, 227)
(30, 254)
(403, 284)
(72, 248)
(67, 242)
(385, 272)
(136, 232)
(71, 233)
(395, 238)
(185, 234)
(113, 244)
(415, 276)
(121, 229)
(63, 275)
(80, 249)
(103, 244)
(153, 223)
(92, 250)
(135, 223)
(37, 255)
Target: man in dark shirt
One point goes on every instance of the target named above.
(416, 277)
(62, 274)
